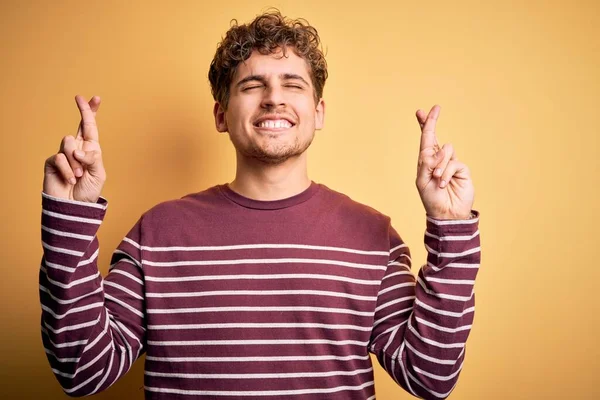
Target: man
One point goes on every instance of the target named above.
(272, 286)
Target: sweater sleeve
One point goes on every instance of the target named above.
(421, 325)
(93, 329)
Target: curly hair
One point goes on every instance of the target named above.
(268, 33)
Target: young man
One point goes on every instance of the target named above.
(272, 286)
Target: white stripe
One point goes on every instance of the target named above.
(379, 321)
(433, 342)
(441, 295)
(67, 234)
(127, 274)
(123, 304)
(72, 218)
(256, 393)
(444, 312)
(260, 277)
(443, 328)
(76, 202)
(406, 380)
(451, 281)
(399, 264)
(69, 301)
(73, 283)
(263, 325)
(257, 358)
(428, 358)
(453, 265)
(400, 246)
(72, 310)
(396, 301)
(255, 342)
(453, 222)
(439, 377)
(70, 327)
(262, 293)
(61, 360)
(397, 273)
(70, 269)
(281, 375)
(123, 289)
(452, 255)
(265, 261)
(452, 238)
(398, 286)
(134, 337)
(107, 373)
(61, 250)
(98, 338)
(387, 331)
(436, 394)
(82, 384)
(127, 260)
(258, 246)
(256, 309)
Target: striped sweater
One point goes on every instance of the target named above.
(233, 298)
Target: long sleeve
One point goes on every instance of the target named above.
(421, 325)
(93, 329)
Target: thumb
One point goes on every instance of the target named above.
(90, 159)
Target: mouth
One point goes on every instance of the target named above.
(274, 125)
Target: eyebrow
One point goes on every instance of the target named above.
(262, 79)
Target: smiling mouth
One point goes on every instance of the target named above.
(274, 124)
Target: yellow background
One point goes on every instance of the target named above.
(518, 83)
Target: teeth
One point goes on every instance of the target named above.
(277, 123)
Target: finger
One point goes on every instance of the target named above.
(455, 170)
(421, 117)
(61, 164)
(88, 130)
(67, 147)
(428, 138)
(92, 160)
(448, 155)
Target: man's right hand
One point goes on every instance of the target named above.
(76, 172)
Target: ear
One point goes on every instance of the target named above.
(320, 115)
(219, 114)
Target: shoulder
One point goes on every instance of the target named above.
(190, 204)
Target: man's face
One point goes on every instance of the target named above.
(271, 115)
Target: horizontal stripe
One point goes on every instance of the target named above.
(442, 295)
(452, 238)
(264, 261)
(84, 383)
(262, 293)
(61, 360)
(72, 310)
(67, 234)
(69, 301)
(70, 327)
(429, 358)
(260, 277)
(281, 375)
(443, 328)
(72, 218)
(396, 274)
(71, 269)
(64, 344)
(255, 246)
(123, 289)
(388, 316)
(249, 342)
(453, 222)
(61, 250)
(85, 366)
(129, 256)
(453, 255)
(451, 281)
(266, 325)
(458, 345)
(400, 246)
(257, 309)
(439, 377)
(73, 283)
(257, 358)
(395, 301)
(258, 393)
(125, 305)
(444, 312)
(400, 285)
(453, 265)
(130, 276)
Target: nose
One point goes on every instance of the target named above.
(273, 97)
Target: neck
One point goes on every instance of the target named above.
(260, 181)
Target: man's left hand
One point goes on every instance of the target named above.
(443, 182)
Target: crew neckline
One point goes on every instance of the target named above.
(269, 204)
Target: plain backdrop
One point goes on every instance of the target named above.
(518, 83)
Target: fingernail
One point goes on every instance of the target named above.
(443, 183)
(438, 172)
(78, 172)
(72, 181)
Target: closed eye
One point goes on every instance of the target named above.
(251, 87)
